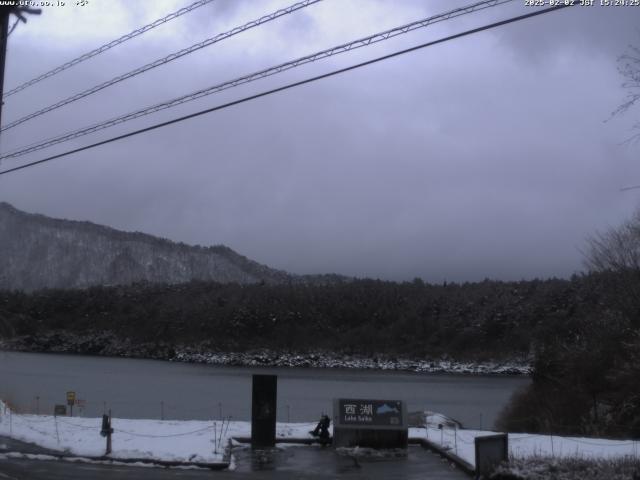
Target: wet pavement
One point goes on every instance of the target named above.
(291, 462)
(319, 462)
(11, 445)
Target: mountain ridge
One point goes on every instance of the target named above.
(37, 251)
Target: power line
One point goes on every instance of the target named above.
(107, 46)
(291, 85)
(346, 47)
(164, 60)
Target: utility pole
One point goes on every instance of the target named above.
(5, 13)
(4, 33)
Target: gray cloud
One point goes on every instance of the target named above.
(484, 157)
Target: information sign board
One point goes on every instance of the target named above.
(60, 410)
(370, 423)
(380, 413)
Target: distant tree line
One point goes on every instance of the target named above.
(472, 321)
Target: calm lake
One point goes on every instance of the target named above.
(132, 388)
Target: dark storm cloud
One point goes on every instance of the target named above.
(484, 157)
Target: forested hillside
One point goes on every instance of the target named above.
(471, 321)
(41, 252)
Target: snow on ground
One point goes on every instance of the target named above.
(539, 468)
(205, 441)
(523, 445)
(34, 456)
(188, 441)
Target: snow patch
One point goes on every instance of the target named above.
(191, 441)
(460, 442)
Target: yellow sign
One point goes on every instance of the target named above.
(71, 398)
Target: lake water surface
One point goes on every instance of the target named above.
(134, 388)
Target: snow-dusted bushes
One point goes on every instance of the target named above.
(544, 468)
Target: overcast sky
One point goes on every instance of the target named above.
(488, 156)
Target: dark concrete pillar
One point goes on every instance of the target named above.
(263, 411)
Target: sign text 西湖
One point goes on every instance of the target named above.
(370, 412)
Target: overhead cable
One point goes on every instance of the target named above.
(288, 86)
(162, 61)
(107, 46)
(345, 47)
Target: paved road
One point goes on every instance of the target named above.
(305, 463)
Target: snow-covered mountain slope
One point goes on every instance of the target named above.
(42, 252)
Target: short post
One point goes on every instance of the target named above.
(107, 430)
(426, 425)
(58, 410)
(109, 435)
(215, 439)
(455, 441)
(55, 421)
(71, 399)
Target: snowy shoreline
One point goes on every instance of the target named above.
(266, 358)
(106, 345)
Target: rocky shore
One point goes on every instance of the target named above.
(268, 358)
(108, 344)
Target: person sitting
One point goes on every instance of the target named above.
(322, 429)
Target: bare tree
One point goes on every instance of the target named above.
(616, 254)
(629, 68)
(617, 249)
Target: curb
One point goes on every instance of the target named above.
(291, 440)
(105, 459)
(463, 465)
